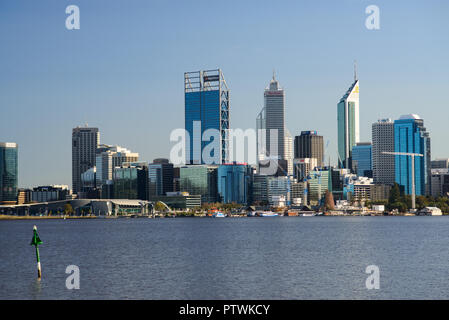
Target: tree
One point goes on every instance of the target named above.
(395, 194)
(68, 209)
(159, 206)
(329, 201)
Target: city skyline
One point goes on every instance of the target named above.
(48, 91)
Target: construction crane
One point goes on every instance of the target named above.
(412, 155)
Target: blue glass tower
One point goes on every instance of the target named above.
(8, 173)
(206, 117)
(234, 183)
(410, 136)
(361, 159)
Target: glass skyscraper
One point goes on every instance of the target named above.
(410, 136)
(206, 107)
(8, 172)
(234, 183)
(362, 159)
(348, 124)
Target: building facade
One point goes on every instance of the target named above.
(160, 175)
(85, 142)
(109, 157)
(234, 183)
(348, 124)
(411, 137)
(131, 181)
(362, 159)
(200, 180)
(309, 145)
(9, 172)
(206, 109)
(383, 141)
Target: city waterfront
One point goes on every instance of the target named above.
(247, 258)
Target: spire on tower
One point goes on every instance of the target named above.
(355, 70)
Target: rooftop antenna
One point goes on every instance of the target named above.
(355, 70)
(274, 75)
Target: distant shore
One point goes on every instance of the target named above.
(11, 217)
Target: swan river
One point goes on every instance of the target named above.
(229, 258)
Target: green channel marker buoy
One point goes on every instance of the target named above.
(35, 242)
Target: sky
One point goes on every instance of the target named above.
(123, 70)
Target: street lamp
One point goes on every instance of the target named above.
(412, 155)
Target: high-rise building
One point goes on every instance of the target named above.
(310, 145)
(109, 157)
(274, 113)
(200, 180)
(85, 142)
(289, 152)
(348, 124)
(440, 182)
(8, 172)
(234, 183)
(206, 107)
(362, 159)
(410, 136)
(440, 164)
(160, 175)
(383, 141)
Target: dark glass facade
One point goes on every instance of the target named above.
(8, 173)
(131, 182)
(234, 183)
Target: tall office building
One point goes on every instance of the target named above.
(410, 136)
(8, 172)
(274, 113)
(348, 123)
(206, 107)
(288, 156)
(362, 159)
(234, 182)
(383, 141)
(309, 145)
(85, 142)
(160, 175)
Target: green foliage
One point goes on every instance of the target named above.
(68, 209)
(403, 202)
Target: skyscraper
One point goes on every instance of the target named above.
(234, 183)
(206, 107)
(362, 159)
(383, 141)
(309, 145)
(85, 142)
(274, 105)
(8, 172)
(410, 136)
(348, 123)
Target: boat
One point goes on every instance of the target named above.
(311, 214)
(268, 214)
(218, 215)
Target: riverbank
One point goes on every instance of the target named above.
(11, 217)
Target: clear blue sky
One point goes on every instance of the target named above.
(123, 70)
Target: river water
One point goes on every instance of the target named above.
(230, 258)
